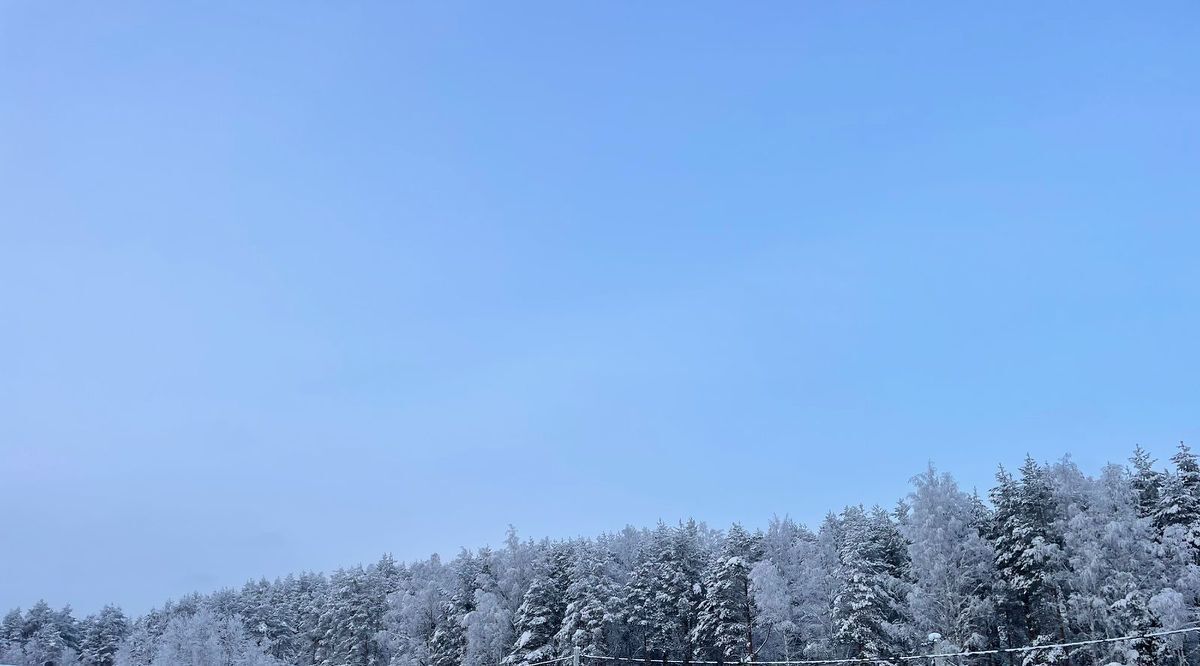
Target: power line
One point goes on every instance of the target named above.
(550, 661)
(911, 657)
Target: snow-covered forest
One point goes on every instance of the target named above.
(1048, 555)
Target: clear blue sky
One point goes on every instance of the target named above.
(289, 284)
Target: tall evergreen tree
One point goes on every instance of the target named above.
(11, 641)
(1028, 554)
(1179, 503)
(664, 591)
(414, 613)
(869, 612)
(591, 596)
(541, 613)
(727, 614)
(450, 638)
(103, 636)
(354, 617)
(1146, 482)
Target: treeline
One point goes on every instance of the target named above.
(1051, 556)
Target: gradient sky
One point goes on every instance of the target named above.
(285, 285)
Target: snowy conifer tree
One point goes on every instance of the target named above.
(414, 612)
(11, 642)
(103, 636)
(1146, 482)
(450, 638)
(662, 597)
(869, 609)
(726, 617)
(1028, 558)
(591, 596)
(349, 627)
(1179, 504)
(541, 613)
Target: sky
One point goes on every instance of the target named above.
(287, 285)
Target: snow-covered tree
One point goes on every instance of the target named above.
(1057, 556)
(953, 564)
(102, 637)
(46, 647)
(349, 627)
(726, 618)
(1029, 557)
(1113, 568)
(541, 613)
(788, 584)
(591, 595)
(489, 629)
(414, 612)
(205, 639)
(1146, 482)
(449, 644)
(664, 590)
(1179, 503)
(11, 641)
(869, 610)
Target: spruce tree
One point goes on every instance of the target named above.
(450, 638)
(10, 634)
(727, 614)
(348, 628)
(664, 592)
(1179, 504)
(103, 636)
(868, 610)
(1030, 560)
(591, 595)
(542, 611)
(1147, 483)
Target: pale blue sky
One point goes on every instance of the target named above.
(289, 284)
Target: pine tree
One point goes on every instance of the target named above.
(103, 636)
(48, 636)
(664, 592)
(1028, 555)
(1179, 504)
(263, 614)
(46, 646)
(414, 612)
(1147, 483)
(139, 646)
(489, 627)
(727, 613)
(869, 610)
(69, 629)
(542, 611)
(11, 641)
(450, 638)
(348, 629)
(591, 601)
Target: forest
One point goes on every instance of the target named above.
(1050, 555)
